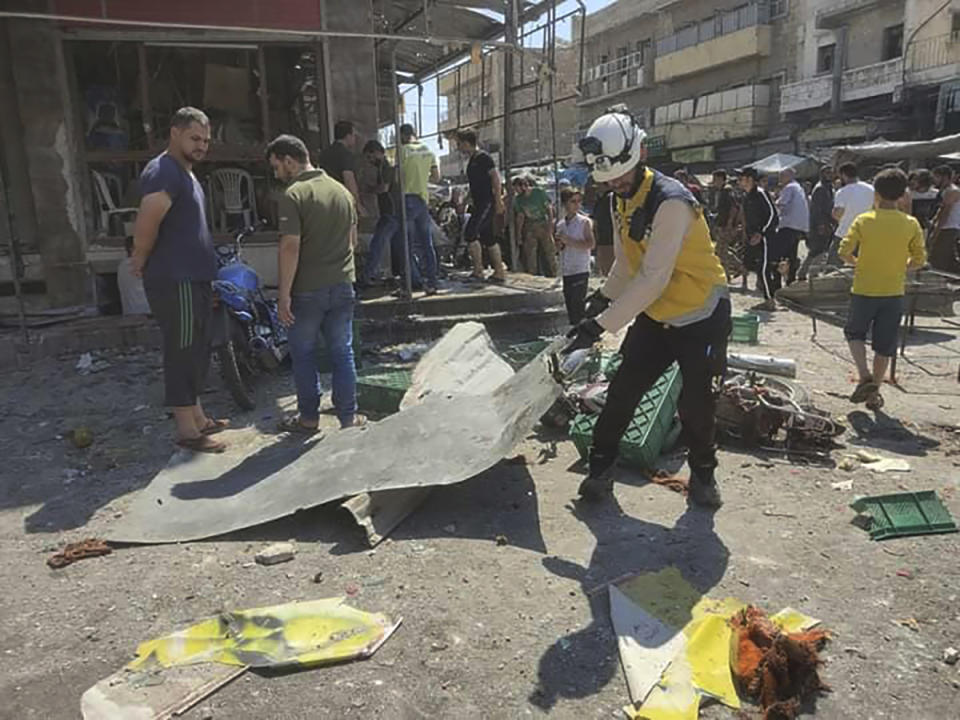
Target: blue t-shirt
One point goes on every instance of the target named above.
(184, 247)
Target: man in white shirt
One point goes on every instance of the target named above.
(854, 198)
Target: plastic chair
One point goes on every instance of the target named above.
(107, 205)
(232, 189)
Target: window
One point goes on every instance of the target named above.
(779, 8)
(825, 55)
(955, 26)
(892, 42)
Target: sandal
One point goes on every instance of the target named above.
(359, 420)
(203, 444)
(214, 426)
(292, 424)
(864, 390)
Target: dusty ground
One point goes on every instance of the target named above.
(489, 632)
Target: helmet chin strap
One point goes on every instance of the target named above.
(638, 172)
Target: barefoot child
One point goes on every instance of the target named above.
(574, 234)
(881, 244)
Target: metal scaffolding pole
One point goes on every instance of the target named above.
(510, 35)
(398, 161)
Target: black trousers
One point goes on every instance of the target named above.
(648, 350)
(769, 254)
(184, 311)
(788, 245)
(575, 295)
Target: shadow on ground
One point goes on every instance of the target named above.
(581, 663)
(884, 432)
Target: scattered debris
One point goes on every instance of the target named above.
(501, 540)
(775, 667)
(785, 367)
(84, 363)
(159, 695)
(295, 634)
(753, 410)
(450, 529)
(910, 623)
(951, 655)
(842, 485)
(903, 514)
(848, 464)
(676, 483)
(91, 547)
(81, 437)
(318, 577)
(905, 574)
(276, 553)
(771, 513)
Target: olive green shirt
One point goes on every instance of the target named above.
(534, 206)
(321, 211)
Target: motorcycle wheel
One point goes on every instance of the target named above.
(240, 387)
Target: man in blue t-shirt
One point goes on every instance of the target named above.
(173, 252)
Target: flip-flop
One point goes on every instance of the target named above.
(214, 426)
(293, 425)
(359, 420)
(864, 390)
(204, 444)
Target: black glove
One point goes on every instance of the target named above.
(583, 335)
(596, 304)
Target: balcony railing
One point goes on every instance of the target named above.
(712, 104)
(724, 23)
(612, 84)
(619, 65)
(936, 52)
(867, 81)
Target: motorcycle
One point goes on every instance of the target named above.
(248, 338)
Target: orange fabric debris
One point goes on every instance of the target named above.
(676, 483)
(775, 668)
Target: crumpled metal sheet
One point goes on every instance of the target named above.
(447, 439)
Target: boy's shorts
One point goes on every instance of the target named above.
(880, 316)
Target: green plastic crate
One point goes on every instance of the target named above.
(381, 389)
(746, 329)
(903, 514)
(650, 429)
(610, 363)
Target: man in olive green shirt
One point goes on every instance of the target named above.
(318, 231)
(534, 225)
(419, 167)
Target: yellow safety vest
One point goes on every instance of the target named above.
(698, 279)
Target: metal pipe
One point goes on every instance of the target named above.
(398, 162)
(583, 36)
(16, 258)
(420, 101)
(432, 40)
(553, 104)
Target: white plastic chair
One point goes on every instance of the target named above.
(232, 189)
(107, 205)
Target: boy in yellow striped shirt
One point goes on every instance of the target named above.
(881, 244)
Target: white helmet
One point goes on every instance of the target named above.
(612, 145)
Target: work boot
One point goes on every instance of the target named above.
(703, 490)
(598, 484)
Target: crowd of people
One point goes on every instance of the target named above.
(667, 247)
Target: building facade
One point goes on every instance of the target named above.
(703, 78)
(871, 68)
(473, 96)
(725, 83)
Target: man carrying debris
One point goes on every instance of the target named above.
(318, 233)
(666, 280)
(173, 252)
(881, 244)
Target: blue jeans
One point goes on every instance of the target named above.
(327, 312)
(388, 227)
(421, 241)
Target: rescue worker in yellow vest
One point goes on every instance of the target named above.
(668, 281)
